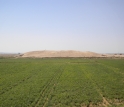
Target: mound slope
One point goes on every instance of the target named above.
(69, 53)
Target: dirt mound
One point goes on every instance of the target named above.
(69, 53)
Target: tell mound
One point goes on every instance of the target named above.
(70, 53)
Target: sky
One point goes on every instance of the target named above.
(82, 25)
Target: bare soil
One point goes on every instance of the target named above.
(68, 53)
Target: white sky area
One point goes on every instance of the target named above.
(83, 25)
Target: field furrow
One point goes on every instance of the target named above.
(61, 82)
(104, 101)
(14, 85)
(47, 89)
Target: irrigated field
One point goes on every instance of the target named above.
(61, 82)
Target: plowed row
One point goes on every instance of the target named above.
(58, 82)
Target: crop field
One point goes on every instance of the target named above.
(61, 82)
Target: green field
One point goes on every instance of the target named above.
(61, 82)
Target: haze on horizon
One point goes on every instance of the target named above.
(83, 25)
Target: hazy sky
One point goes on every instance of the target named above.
(84, 25)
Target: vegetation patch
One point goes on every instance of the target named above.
(61, 82)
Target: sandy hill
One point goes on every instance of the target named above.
(69, 53)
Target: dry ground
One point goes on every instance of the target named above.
(68, 53)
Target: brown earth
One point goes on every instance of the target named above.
(68, 53)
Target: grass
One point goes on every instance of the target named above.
(61, 82)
